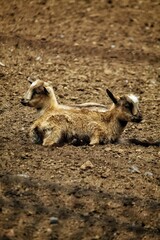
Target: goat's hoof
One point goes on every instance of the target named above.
(93, 143)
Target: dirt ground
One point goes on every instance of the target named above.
(83, 47)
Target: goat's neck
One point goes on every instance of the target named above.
(48, 106)
(114, 126)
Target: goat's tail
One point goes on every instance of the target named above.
(144, 143)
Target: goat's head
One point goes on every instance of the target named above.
(126, 107)
(37, 95)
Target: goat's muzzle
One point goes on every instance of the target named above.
(137, 118)
(24, 102)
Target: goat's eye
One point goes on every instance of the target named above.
(129, 106)
(35, 92)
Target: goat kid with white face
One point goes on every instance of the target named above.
(93, 127)
(41, 96)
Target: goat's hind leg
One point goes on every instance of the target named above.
(36, 135)
(94, 140)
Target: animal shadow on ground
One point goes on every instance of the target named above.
(30, 204)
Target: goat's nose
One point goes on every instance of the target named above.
(138, 118)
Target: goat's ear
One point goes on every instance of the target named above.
(30, 80)
(111, 96)
(46, 91)
(48, 88)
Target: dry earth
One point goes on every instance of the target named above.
(83, 47)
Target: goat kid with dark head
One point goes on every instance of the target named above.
(126, 108)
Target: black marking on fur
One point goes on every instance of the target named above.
(123, 123)
(38, 136)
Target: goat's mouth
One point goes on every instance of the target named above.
(137, 119)
(24, 102)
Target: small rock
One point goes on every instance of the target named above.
(148, 174)
(85, 214)
(120, 150)
(24, 156)
(49, 62)
(61, 36)
(107, 149)
(138, 150)
(2, 64)
(74, 98)
(38, 58)
(73, 168)
(96, 237)
(105, 174)
(113, 205)
(61, 95)
(86, 165)
(134, 169)
(23, 175)
(29, 212)
(139, 127)
(108, 71)
(53, 220)
(49, 230)
(113, 46)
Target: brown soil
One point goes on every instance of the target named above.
(83, 47)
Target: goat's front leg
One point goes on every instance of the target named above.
(95, 137)
(36, 135)
(98, 136)
(52, 137)
(94, 141)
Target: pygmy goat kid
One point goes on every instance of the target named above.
(92, 127)
(41, 96)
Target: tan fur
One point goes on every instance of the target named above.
(65, 125)
(41, 96)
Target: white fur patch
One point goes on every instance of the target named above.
(133, 98)
(34, 83)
